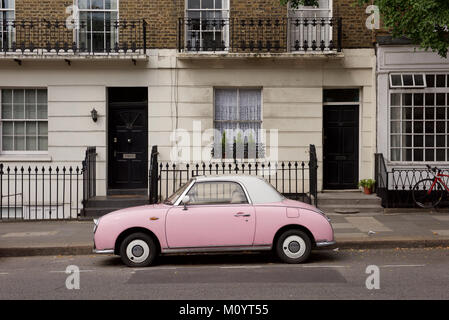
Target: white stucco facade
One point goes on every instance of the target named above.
(181, 90)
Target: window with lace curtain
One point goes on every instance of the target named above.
(238, 120)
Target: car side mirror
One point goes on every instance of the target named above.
(185, 201)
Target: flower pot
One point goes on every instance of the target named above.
(367, 190)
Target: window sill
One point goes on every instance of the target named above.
(25, 158)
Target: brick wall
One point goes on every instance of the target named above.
(40, 9)
(355, 33)
(162, 17)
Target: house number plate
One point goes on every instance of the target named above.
(129, 156)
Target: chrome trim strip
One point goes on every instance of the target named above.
(215, 249)
(105, 251)
(325, 243)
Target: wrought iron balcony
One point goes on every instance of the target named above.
(260, 35)
(78, 37)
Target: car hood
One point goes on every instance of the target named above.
(135, 210)
(299, 204)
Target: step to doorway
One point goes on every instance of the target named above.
(349, 202)
(127, 192)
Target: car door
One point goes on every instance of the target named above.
(218, 215)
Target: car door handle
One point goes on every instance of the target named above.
(241, 214)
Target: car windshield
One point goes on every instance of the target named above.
(172, 199)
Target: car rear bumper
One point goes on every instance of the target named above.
(104, 251)
(322, 244)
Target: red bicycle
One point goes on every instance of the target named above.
(427, 193)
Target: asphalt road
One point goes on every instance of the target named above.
(403, 274)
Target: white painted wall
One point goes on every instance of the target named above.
(291, 97)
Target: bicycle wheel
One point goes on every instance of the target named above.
(426, 198)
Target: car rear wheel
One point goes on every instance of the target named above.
(138, 250)
(293, 246)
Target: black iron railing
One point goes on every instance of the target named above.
(89, 174)
(313, 175)
(288, 177)
(40, 193)
(273, 35)
(47, 193)
(395, 186)
(77, 37)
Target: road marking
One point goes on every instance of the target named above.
(160, 268)
(241, 267)
(402, 265)
(65, 271)
(323, 266)
(4, 273)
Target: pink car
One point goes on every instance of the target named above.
(215, 214)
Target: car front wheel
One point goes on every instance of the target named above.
(138, 250)
(293, 246)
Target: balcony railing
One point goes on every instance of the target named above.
(80, 37)
(260, 35)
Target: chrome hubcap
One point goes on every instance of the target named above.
(294, 247)
(137, 251)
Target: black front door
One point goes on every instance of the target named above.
(128, 146)
(341, 147)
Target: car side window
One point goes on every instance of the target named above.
(217, 192)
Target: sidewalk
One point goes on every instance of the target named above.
(351, 232)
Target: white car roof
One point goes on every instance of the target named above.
(259, 190)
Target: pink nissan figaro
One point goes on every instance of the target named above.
(215, 214)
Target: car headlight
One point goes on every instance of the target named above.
(96, 222)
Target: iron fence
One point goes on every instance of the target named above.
(40, 193)
(395, 186)
(79, 37)
(47, 193)
(294, 179)
(89, 174)
(261, 34)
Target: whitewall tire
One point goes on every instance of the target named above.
(293, 246)
(138, 250)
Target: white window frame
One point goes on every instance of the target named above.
(77, 31)
(292, 13)
(225, 15)
(414, 85)
(310, 8)
(11, 31)
(22, 152)
(401, 120)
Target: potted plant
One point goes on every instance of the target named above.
(367, 185)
